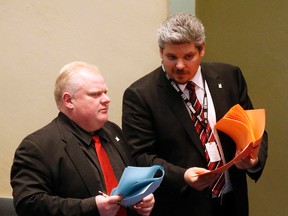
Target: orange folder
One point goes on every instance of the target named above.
(246, 128)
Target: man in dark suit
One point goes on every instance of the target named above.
(159, 124)
(56, 170)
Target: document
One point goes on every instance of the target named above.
(246, 128)
(138, 182)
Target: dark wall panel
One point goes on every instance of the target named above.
(254, 36)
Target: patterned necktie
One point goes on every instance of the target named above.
(107, 170)
(206, 135)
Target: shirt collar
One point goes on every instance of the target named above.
(81, 134)
(197, 79)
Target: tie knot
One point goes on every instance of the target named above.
(95, 138)
(191, 86)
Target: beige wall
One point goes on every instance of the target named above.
(254, 35)
(39, 37)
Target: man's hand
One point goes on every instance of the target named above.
(107, 205)
(247, 162)
(145, 206)
(197, 181)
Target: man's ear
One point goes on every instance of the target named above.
(67, 100)
(202, 52)
(161, 52)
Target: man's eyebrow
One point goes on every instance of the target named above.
(97, 91)
(94, 91)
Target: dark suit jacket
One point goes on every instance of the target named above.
(159, 128)
(51, 174)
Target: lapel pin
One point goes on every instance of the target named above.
(219, 85)
(117, 139)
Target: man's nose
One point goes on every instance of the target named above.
(180, 64)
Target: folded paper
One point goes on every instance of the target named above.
(138, 182)
(246, 128)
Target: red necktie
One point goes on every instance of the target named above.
(107, 170)
(206, 135)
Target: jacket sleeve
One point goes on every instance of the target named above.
(238, 94)
(245, 102)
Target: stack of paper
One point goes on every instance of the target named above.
(244, 127)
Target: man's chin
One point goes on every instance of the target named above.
(180, 80)
(103, 119)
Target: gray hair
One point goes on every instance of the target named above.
(67, 79)
(181, 28)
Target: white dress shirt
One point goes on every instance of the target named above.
(200, 90)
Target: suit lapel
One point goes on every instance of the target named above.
(83, 167)
(173, 99)
(177, 105)
(117, 142)
(216, 87)
(77, 156)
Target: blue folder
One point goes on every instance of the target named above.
(138, 182)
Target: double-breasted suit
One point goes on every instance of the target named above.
(159, 128)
